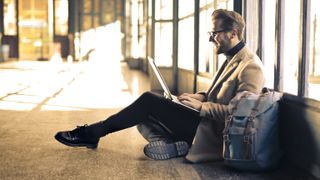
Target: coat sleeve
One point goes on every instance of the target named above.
(214, 111)
(250, 78)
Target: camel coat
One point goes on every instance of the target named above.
(244, 72)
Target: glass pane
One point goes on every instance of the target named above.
(224, 4)
(86, 22)
(268, 39)
(314, 63)
(186, 7)
(107, 10)
(142, 30)
(96, 21)
(150, 8)
(97, 6)
(163, 9)
(291, 46)
(34, 36)
(61, 17)
(206, 3)
(163, 44)
(96, 13)
(135, 29)
(252, 25)
(205, 47)
(87, 6)
(186, 44)
(10, 18)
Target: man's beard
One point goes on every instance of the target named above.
(223, 46)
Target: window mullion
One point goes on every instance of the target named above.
(304, 48)
(278, 77)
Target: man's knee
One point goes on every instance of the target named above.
(147, 94)
(150, 97)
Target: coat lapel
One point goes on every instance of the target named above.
(217, 75)
(229, 69)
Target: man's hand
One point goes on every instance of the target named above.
(199, 97)
(190, 101)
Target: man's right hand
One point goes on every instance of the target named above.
(199, 97)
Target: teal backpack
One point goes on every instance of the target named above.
(251, 133)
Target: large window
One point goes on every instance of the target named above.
(314, 61)
(10, 18)
(186, 35)
(291, 46)
(268, 56)
(163, 32)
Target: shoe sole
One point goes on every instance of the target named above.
(89, 146)
(159, 150)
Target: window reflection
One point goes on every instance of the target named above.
(314, 62)
(10, 18)
(291, 46)
(268, 39)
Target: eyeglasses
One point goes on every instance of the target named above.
(213, 34)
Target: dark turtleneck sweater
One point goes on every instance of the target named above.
(234, 50)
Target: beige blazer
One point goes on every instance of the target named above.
(244, 72)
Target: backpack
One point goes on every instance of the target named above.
(251, 133)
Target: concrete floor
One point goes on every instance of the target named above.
(37, 99)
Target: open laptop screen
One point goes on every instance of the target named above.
(160, 78)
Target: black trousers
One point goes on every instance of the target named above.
(154, 114)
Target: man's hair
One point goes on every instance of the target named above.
(230, 20)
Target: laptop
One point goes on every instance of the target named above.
(165, 88)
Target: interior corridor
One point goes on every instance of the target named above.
(39, 98)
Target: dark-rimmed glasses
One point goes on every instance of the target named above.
(213, 34)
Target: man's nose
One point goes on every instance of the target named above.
(211, 39)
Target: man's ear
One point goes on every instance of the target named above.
(234, 34)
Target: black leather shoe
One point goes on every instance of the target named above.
(77, 138)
